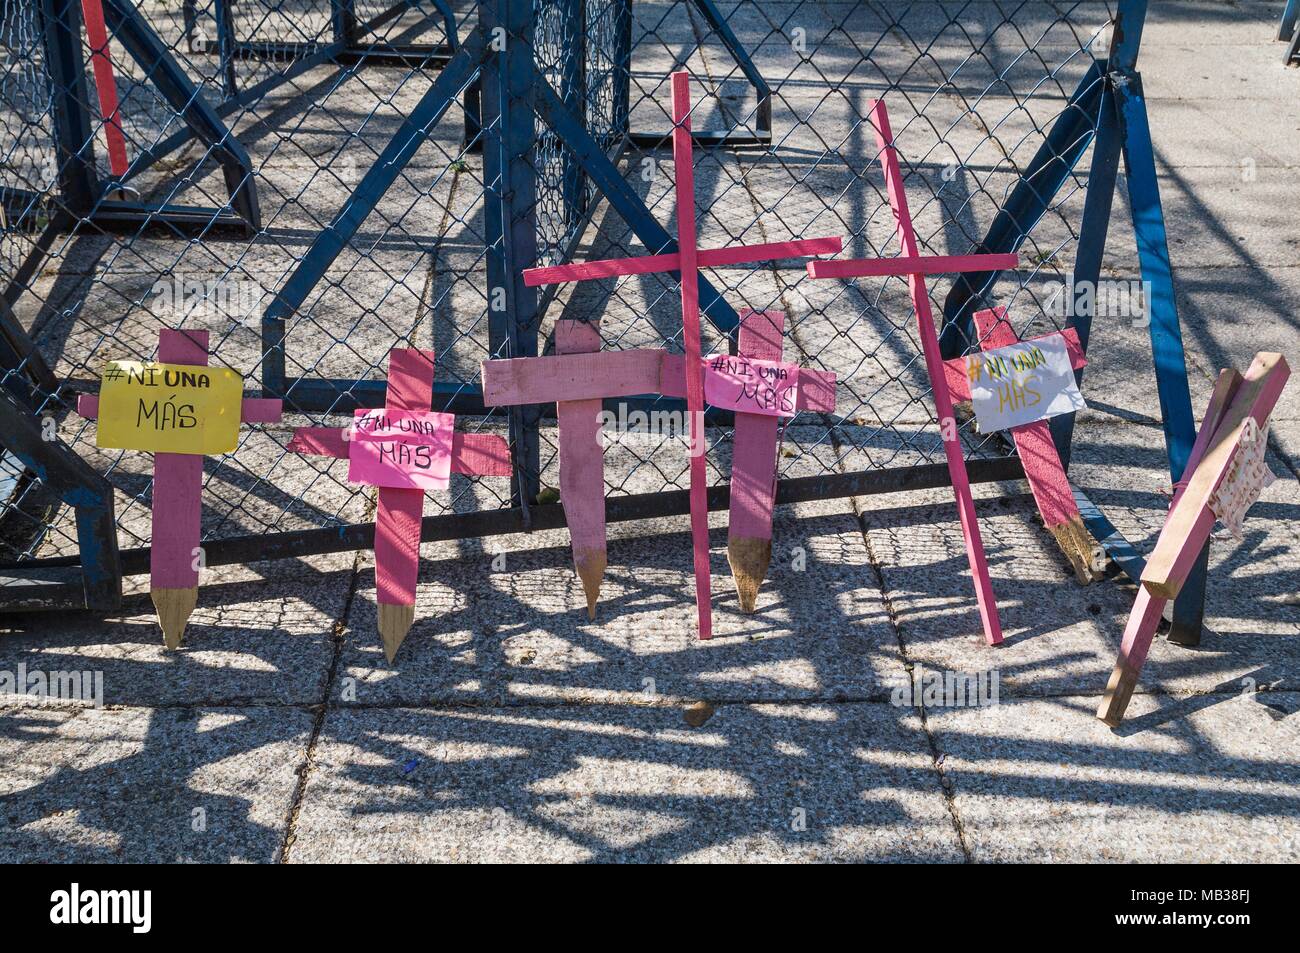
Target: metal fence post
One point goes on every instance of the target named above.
(511, 215)
(73, 133)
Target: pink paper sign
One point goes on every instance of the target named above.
(750, 385)
(404, 449)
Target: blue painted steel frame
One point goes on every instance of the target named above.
(77, 485)
(1112, 93)
(138, 39)
(1029, 201)
(328, 394)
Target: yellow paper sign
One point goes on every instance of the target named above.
(169, 408)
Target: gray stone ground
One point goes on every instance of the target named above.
(511, 728)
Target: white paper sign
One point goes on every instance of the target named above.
(1018, 384)
(1245, 479)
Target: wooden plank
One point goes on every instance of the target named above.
(480, 454)
(1147, 608)
(320, 442)
(261, 410)
(399, 511)
(177, 509)
(582, 467)
(1138, 633)
(753, 467)
(684, 176)
(1190, 518)
(540, 380)
(935, 368)
(707, 258)
(911, 265)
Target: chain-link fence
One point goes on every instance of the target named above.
(447, 174)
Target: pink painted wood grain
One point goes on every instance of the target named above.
(1144, 618)
(707, 257)
(1260, 410)
(399, 511)
(582, 462)
(540, 380)
(934, 366)
(177, 485)
(684, 176)
(260, 410)
(911, 265)
(753, 454)
(557, 377)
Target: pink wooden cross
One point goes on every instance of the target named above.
(1235, 402)
(400, 510)
(1043, 470)
(177, 496)
(579, 376)
(687, 260)
(753, 460)
(912, 264)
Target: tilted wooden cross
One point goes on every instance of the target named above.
(687, 260)
(403, 447)
(580, 376)
(1047, 479)
(1238, 411)
(912, 264)
(174, 552)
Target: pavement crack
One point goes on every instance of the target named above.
(936, 756)
(321, 708)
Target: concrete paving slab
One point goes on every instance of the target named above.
(138, 785)
(624, 784)
(1206, 779)
(520, 635)
(262, 634)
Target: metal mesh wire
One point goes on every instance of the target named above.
(971, 89)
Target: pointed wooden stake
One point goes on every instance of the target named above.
(174, 608)
(394, 622)
(399, 510)
(1077, 544)
(582, 466)
(749, 560)
(177, 496)
(590, 564)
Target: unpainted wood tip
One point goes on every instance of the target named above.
(590, 564)
(749, 558)
(1119, 691)
(394, 622)
(1077, 544)
(1164, 588)
(174, 607)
